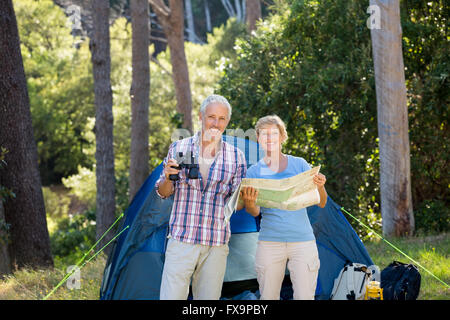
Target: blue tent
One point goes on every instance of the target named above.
(135, 264)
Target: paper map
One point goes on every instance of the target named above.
(289, 194)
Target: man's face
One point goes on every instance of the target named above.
(214, 121)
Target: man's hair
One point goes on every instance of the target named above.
(272, 120)
(215, 98)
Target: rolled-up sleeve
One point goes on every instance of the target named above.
(170, 155)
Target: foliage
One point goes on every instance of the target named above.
(222, 41)
(73, 236)
(432, 216)
(83, 186)
(425, 50)
(311, 63)
(56, 207)
(317, 75)
(162, 110)
(60, 87)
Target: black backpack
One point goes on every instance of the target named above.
(400, 281)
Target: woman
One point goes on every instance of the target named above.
(285, 236)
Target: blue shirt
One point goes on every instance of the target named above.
(282, 225)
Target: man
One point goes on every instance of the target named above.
(198, 234)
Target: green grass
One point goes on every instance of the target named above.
(28, 284)
(430, 251)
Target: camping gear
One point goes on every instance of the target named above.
(136, 260)
(373, 291)
(400, 281)
(351, 283)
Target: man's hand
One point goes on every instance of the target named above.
(168, 169)
(166, 188)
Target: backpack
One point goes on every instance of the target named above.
(400, 281)
(352, 281)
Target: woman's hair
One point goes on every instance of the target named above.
(270, 120)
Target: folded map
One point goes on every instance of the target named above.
(289, 194)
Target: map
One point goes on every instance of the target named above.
(289, 194)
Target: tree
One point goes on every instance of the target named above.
(139, 92)
(60, 87)
(104, 154)
(207, 16)
(172, 20)
(392, 117)
(238, 11)
(253, 9)
(5, 262)
(29, 238)
(192, 37)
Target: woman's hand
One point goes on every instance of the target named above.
(249, 196)
(319, 179)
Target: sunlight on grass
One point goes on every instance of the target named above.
(36, 284)
(432, 252)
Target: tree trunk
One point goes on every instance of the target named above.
(207, 16)
(5, 262)
(104, 154)
(239, 16)
(29, 239)
(172, 21)
(392, 113)
(229, 8)
(192, 37)
(253, 14)
(140, 92)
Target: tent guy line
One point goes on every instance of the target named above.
(397, 249)
(77, 266)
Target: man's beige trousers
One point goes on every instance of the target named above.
(204, 264)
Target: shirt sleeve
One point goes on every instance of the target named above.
(162, 177)
(251, 172)
(304, 165)
(241, 171)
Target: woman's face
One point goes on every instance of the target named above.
(269, 138)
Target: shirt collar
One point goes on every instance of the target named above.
(197, 141)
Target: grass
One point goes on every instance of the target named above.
(430, 251)
(27, 284)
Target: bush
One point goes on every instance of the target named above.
(433, 216)
(73, 237)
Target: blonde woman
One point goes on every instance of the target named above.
(285, 236)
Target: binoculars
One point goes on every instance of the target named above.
(191, 166)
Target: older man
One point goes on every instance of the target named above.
(198, 234)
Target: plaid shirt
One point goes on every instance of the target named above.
(198, 209)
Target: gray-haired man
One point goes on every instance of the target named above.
(198, 244)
